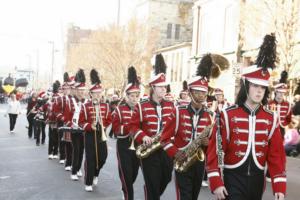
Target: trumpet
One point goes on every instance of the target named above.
(95, 124)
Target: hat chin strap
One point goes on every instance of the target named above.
(194, 100)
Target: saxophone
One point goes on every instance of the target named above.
(143, 150)
(193, 152)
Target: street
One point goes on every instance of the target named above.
(26, 172)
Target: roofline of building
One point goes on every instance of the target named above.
(176, 46)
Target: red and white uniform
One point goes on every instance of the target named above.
(52, 109)
(121, 119)
(182, 102)
(283, 111)
(245, 133)
(146, 121)
(222, 105)
(179, 134)
(88, 115)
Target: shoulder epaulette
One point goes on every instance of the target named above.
(267, 110)
(182, 107)
(235, 106)
(144, 100)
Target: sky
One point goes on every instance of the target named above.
(29, 28)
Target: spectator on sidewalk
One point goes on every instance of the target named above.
(14, 109)
(292, 138)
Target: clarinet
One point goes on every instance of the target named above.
(219, 146)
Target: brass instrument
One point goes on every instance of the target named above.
(193, 152)
(132, 144)
(143, 150)
(95, 123)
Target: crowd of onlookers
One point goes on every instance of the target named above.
(292, 132)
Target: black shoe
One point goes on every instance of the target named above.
(294, 153)
(37, 144)
(43, 143)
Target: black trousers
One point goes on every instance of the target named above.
(62, 146)
(30, 124)
(157, 172)
(188, 184)
(95, 156)
(128, 165)
(242, 187)
(39, 129)
(77, 154)
(12, 121)
(68, 151)
(53, 141)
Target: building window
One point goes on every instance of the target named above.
(177, 31)
(169, 31)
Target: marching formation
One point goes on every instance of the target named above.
(233, 144)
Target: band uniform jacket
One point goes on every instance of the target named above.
(183, 127)
(283, 111)
(121, 118)
(182, 102)
(72, 112)
(51, 118)
(244, 134)
(60, 106)
(88, 115)
(149, 118)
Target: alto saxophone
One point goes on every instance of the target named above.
(143, 150)
(193, 152)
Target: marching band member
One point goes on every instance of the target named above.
(280, 105)
(128, 163)
(220, 100)
(64, 106)
(184, 126)
(51, 120)
(58, 109)
(71, 120)
(94, 118)
(184, 98)
(147, 121)
(31, 113)
(246, 137)
(40, 111)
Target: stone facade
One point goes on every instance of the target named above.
(173, 19)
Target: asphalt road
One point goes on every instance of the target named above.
(26, 172)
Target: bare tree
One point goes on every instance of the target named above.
(111, 50)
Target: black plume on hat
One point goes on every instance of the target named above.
(184, 85)
(205, 67)
(55, 86)
(80, 77)
(160, 65)
(132, 76)
(66, 77)
(283, 77)
(266, 57)
(168, 88)
(94, 77)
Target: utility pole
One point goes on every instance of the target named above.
(118, 16)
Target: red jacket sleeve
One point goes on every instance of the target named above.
(167, 134)
(212, 166)
(117, 125)
(276, 160)
(108, 118)
(83, 121)
(135, 125)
